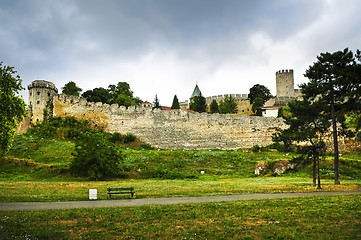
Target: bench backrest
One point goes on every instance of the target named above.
(120, 189)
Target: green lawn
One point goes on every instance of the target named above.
(36, 170)
(153, 188)
(331, 217)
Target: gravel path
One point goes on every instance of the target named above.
(19, 206)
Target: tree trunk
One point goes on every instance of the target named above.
(335, 141)
(314, 170)
(318, 173)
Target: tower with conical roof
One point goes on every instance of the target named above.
(196, 92)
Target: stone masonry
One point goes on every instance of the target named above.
(173, 129)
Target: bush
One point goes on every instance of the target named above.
(117, 137)
(256, 148)
(95, 157)
(129, 138)
(146, 146)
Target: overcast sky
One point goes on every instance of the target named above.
(164, 47)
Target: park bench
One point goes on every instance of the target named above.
(121, 191)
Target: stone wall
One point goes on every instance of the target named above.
(173, 129)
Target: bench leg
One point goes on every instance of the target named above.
(132, 194)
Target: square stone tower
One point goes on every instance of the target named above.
(285, 83)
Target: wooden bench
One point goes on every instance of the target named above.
(121, 191)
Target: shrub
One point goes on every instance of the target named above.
(117, 137)
(95, 157)
(129, 138)
(256, 148)
(146, 146)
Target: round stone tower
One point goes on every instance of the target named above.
(285, 83)
(41, 92)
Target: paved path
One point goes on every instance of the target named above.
(17, 206)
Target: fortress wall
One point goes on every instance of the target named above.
(175, 129)
(243, 104)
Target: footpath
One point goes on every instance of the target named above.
(20, 206)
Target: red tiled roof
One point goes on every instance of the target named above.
(271, 107)
(169, 109)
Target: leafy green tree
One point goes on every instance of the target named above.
(120, 88)
(119, 94)
(175, 104)
(95, 157)
(198, 104)
(258, 96)
(259, 91)
(256, 106)
(228, 105)
(156, 103)
(307, 125)
(97, 95)
(214, 107)
(71, 88)
(12, 107)
(122, 95)
(335, 83)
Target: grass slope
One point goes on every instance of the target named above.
(49, 158)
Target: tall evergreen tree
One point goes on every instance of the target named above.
(214, 107)
(175, 104)
(198, 104)
(228, 105)
(156, 103)
(335, 83)
(307, 125)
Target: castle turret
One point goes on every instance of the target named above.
(196, 92)
(41, 93)
(285, 83)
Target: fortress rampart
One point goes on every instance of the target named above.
(173, 129)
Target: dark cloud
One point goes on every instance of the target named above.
(88, 41)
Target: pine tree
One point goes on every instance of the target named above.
(308, 123)
(335, 82)
(156, 103)
(198, 104)
(214, 107)
(228, 105)
(175, 104)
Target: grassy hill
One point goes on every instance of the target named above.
(45, 152)
(36, 157)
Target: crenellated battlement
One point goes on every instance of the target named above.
(78, 106)
(285, 71)
(42, 84)
(218, 98)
